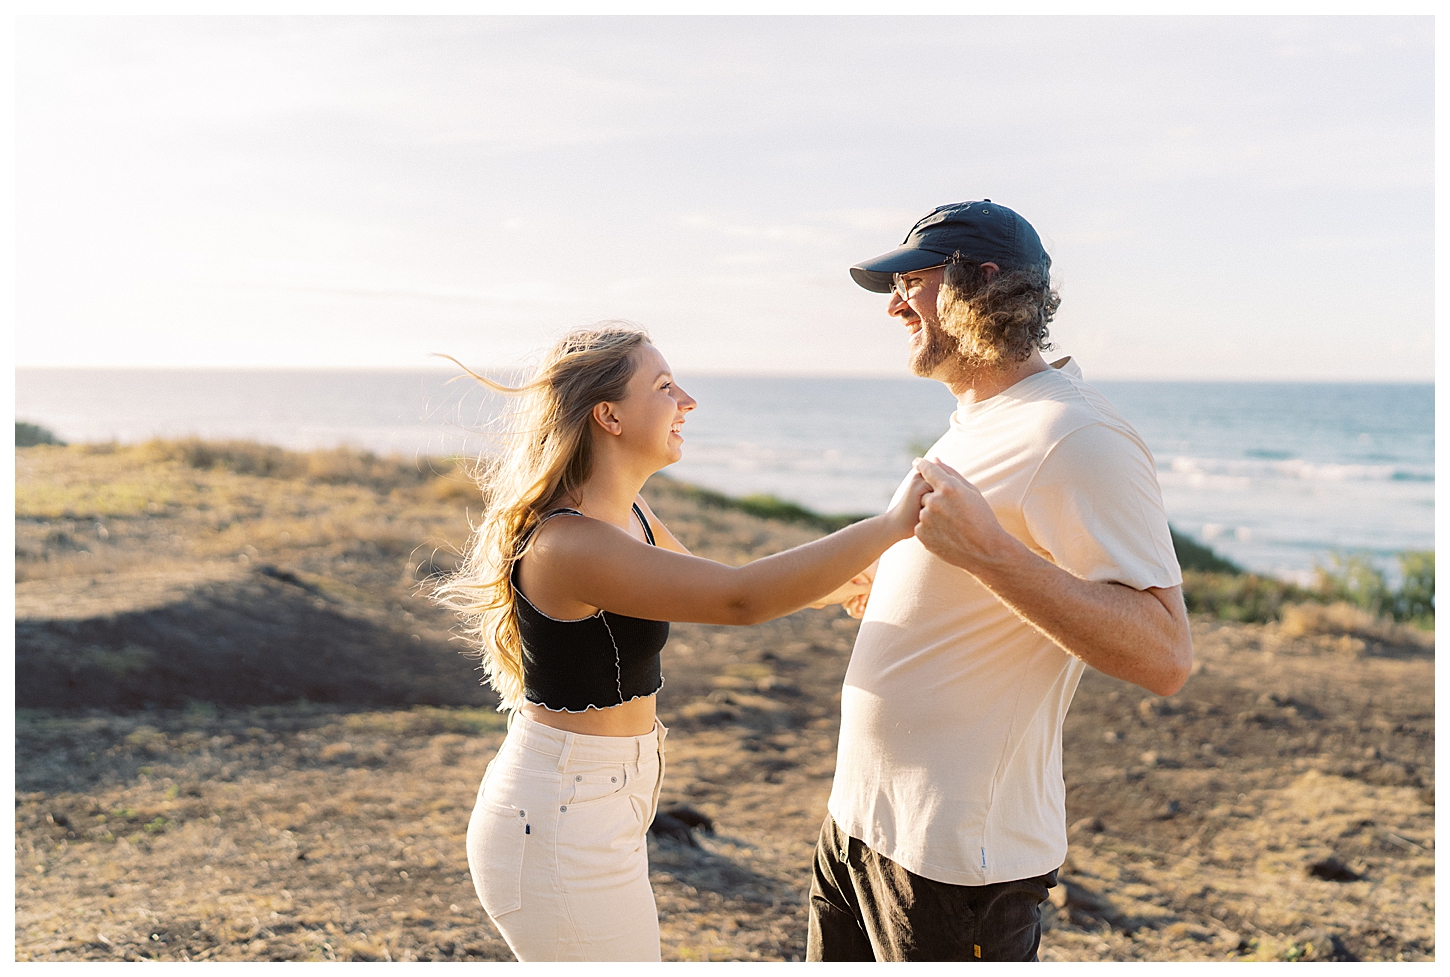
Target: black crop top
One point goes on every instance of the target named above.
(601, 660)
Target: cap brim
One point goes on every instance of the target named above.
(875, 275)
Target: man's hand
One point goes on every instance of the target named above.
(956, 523)
(1140, 636)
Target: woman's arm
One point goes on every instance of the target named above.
(587, 562)
(857, 586)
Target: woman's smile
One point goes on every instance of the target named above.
(654, 398)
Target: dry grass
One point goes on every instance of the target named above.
(335, 466)
(85, 511)
(1198, 820)
(319, 832)
(304, 833)
(313, 832)
(1344, 619)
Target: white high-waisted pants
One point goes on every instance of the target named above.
(557, 845)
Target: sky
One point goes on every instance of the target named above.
(1228, 198)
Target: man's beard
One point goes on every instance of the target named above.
(939, 349)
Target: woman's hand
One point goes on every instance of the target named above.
(855, 605)
(958, 525)
(904, 514)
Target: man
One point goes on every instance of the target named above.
(1042, 548)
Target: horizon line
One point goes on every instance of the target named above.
(706, 374)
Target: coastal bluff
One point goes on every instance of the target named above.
(244, 733)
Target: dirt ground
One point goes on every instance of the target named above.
(1280, 807)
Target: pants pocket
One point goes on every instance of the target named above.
(646, 806)
(596, 783)
(497, 837)
(654, 802)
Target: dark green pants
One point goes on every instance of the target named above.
(866, 907)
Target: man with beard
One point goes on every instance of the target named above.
(1042, 548)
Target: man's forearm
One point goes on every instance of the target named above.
(1140, 636)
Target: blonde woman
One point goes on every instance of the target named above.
(567, 587)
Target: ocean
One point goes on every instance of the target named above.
(1275, 476)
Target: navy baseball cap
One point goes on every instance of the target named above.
(979, 229)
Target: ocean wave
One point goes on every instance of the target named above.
(1296, 469)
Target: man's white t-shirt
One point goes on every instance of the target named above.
(950, 756)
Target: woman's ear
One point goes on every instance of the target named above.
(606, 418)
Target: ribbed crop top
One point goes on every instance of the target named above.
(601, 660)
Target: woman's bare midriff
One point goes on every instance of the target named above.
(633, 718)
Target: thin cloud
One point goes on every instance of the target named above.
(293, 177)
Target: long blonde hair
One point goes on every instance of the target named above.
(547, 455)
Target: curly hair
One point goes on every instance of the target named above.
(998, 319)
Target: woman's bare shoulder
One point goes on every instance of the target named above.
(572, 535)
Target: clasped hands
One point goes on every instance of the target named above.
(954, 523)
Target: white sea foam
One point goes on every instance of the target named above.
(1202, 470)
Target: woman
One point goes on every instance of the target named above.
(568, 585)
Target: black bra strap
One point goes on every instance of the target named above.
(648, 534)
(639, 513)
(546, 517)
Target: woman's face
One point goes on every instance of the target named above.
(654, 408)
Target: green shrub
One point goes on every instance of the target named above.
(1244, 597)
(1416, 598)
(768, 507)
(1193, 555)
(1351, 580)
(29, 435)
(1354, 580)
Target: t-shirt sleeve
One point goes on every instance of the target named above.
(1095, 507)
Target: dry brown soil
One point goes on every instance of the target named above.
(1280, 807)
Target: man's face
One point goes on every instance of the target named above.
(930, 348)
